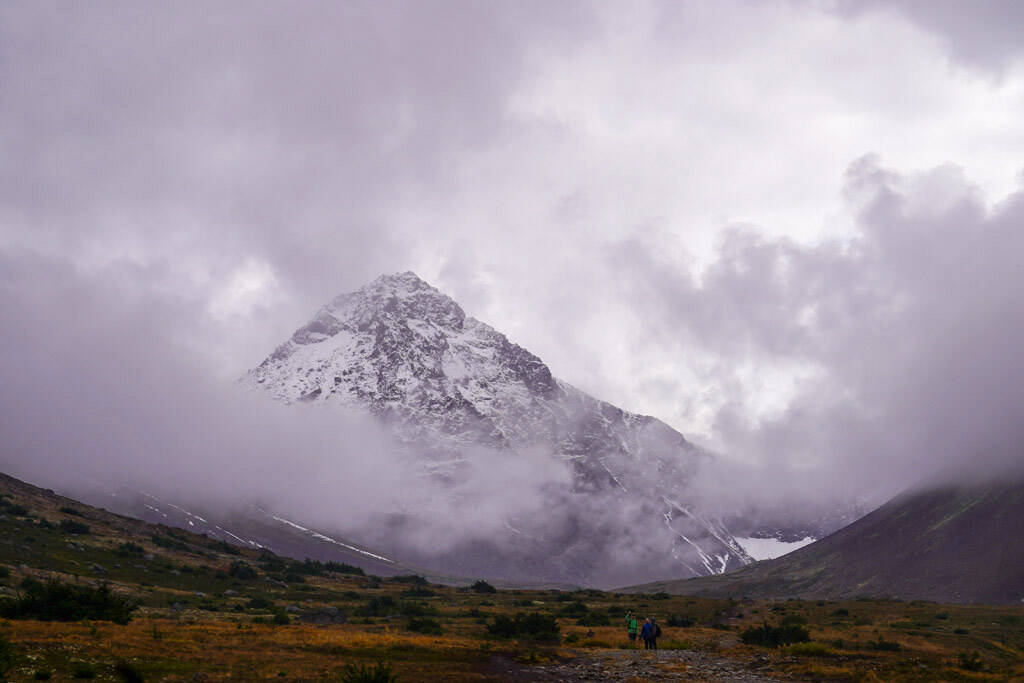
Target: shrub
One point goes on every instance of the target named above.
(281, 619)
(16, 510)
(259, 602)
(970, 661)
(961, 631)
(366, 673)
(380, 606)
(482, 586)
(130, 548)
(410, 578)
(416, 609)
(128, 672)
(768, 635)
(42, 675)
(679, 622)
(56, 601)
(418, 592)
(594, 619)
(83, 671)
(342, 568)
(533, 626)
(223, 547)
(7, 655)
(165, 542)
(425, 625)
(660, 596)
(884, 645)
(794, 620)
(841, 612)
(243, 571)
(68, 510)
(574, 609)
(70, 526)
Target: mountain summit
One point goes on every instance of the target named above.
(449, 384)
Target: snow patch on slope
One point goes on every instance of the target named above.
(770, 548)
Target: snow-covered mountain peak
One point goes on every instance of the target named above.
(402, 350)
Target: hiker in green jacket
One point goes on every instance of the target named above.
(632, 626)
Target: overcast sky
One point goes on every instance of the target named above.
(792, 230)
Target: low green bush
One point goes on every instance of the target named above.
(259, 602)
(970, 661)
(84, 671)
(414, 579)
(574, 609)
(884, 645)
(768, 635)
(380, 606)
(533, 626)
(7, 655)
(425, 625)
(56, 601)
(128, 672)
(243, 571)
(594, 619)
(482, 586)
(70, 526)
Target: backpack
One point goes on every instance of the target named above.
(657, 631)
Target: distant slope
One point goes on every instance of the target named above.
(171, 537)
(951, 544)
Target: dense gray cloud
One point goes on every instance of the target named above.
(199, 136)
(986, 34)
(182, 185)
(909, 333)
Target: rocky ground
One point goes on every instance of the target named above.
(659, 665)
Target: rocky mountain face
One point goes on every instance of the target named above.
(450, 385)
(947, 543)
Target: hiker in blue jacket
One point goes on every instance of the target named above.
(647, 632)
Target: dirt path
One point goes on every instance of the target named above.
(659, 665)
